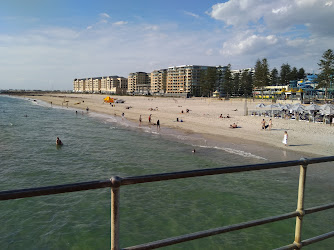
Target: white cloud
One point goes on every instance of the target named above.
(330, 3)
(280, 10)
(120, 23)
(279, 15)
(104, 15)
(191, 14)
(238, 13)
(294, 31)
(253, 44)
(151, 27)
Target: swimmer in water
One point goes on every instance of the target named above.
(59, 142)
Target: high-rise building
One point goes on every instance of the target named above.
(89, 85)
(106, 84)
(158, 81)
(139, 83)
(79, 85)
(76, 85)
(109, 84)
(185, 79)
(97, 84)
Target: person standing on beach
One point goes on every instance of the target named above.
(285, 138)
(139, 119)
(149, 118)
(263, 124)
(158, 124)
(270, 124)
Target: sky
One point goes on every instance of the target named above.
(46, 44)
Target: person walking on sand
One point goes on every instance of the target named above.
(285, 138)
(270, 124)
(263, 124)
(149, 118)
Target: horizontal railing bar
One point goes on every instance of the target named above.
(317, 160)
(222, 170)
(317, 238)
(210, 232)
(39, 191)
(288, 247)
(319, 208)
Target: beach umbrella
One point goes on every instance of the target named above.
(313, 107)
(272, 106)
(323, 107)
(297, 108)
(297, 105)
(108, 99)
(278, 105)
(286, 106)
(261, 105)
(328, 110)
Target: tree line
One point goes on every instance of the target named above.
(242, 83)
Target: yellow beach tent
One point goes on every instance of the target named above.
(108, 99)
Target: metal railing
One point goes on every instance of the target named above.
(116, 182)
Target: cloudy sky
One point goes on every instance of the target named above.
(45, 44)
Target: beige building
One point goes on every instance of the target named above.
(89, 85)
(106, 84)
(181, 80)
(139, 83)
(158, 81)
(184, 80)
(115, 85)
(76, 85)
(109, 84)
(97, 84)
(79, 85)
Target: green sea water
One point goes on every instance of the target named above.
(97, 147)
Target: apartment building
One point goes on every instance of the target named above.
(76, 85)
(106, 84)
(158, 81)
(110, 84)
(115, 85)
(184, 80)
(89, 85)
(97, 84)
(240, 71)
(181, 80)
(79, 85)
(139, 83)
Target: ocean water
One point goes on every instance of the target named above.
(97, 147)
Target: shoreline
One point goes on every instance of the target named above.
(203, 120)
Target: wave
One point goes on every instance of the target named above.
(234, 151)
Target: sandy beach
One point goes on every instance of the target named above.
(204, 118)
